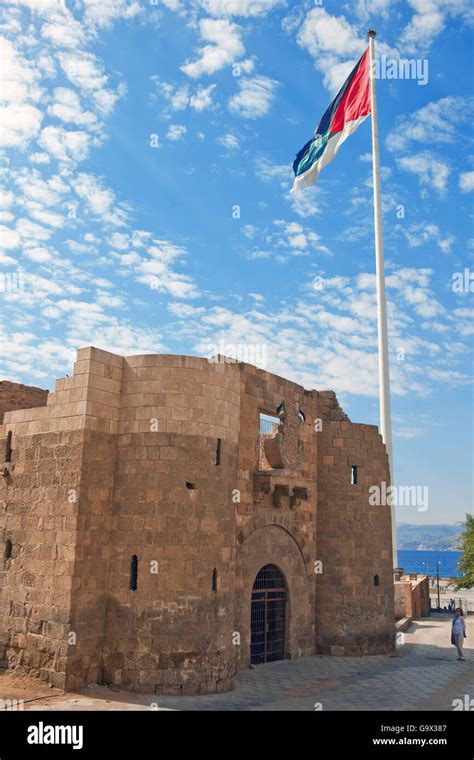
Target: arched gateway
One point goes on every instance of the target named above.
(268, 616)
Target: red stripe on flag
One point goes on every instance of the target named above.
(356, 100)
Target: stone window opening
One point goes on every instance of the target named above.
(218, 452)
(134, 573)
(8, 447)
(354, 475)
(268, 429)
(376, 580)
(7, 550)
(214, 579)
(190, 486)
(302, 415)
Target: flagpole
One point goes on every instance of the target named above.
(384, 366)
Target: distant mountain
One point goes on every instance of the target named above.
(429, 537)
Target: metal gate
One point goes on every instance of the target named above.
(268, 616)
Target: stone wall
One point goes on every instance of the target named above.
(49, 512)
(354, 593)
(17, 396)
(36, 582)
(155, 459)
(267, 534)
(412, 597)
(172, 510)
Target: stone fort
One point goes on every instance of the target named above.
(167, 521)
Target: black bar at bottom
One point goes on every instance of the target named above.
(55, 734)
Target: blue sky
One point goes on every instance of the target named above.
(146, 153)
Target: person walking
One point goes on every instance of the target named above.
(458, 632)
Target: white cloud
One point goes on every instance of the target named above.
(425, 24)
(99, 199)
(255, 97)
(268, 172)
(38, 254)
(156, 271)
(39, 158)
(429, 20)
(4, 259)
(120, 241)
(202, 98)
(229, 141)
(63, 144)
(225, 46)
(20, 118)
(413, 285)
(431, 170)
(427, 232)
(283, 241)
(173, 5)
(44, 216)
(296, 239)
(437, 122)
(19, 124)
(6, 198)
(466, 182)
(333, 43)
(369, 8)
(31, 232)
(102, 14)
(176, 132)
(305, 204)
(85, 71)
(181, 98)
(330, 340)
(9, 238)
(47, 192)
(41, 6)
(63, 30)
(67, 108)
(19, 78)
(246, 8)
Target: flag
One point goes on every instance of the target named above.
(348, 109)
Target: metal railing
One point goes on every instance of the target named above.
(449, 603)
(268, 429)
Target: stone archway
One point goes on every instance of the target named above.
(272, 544)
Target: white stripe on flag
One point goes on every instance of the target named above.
(332, 147)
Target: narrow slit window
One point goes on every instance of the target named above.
(134, 573)
(7, 549)
(301, 415)
(218, 452)
(8, 447)
(354, 475)
(214, 579)
(376, 580)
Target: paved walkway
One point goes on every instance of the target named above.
(423, 675)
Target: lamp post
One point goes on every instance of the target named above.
(437, 579)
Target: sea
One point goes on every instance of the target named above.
(414, 561)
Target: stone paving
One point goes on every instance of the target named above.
(422, 675)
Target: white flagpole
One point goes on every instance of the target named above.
(384, 367)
